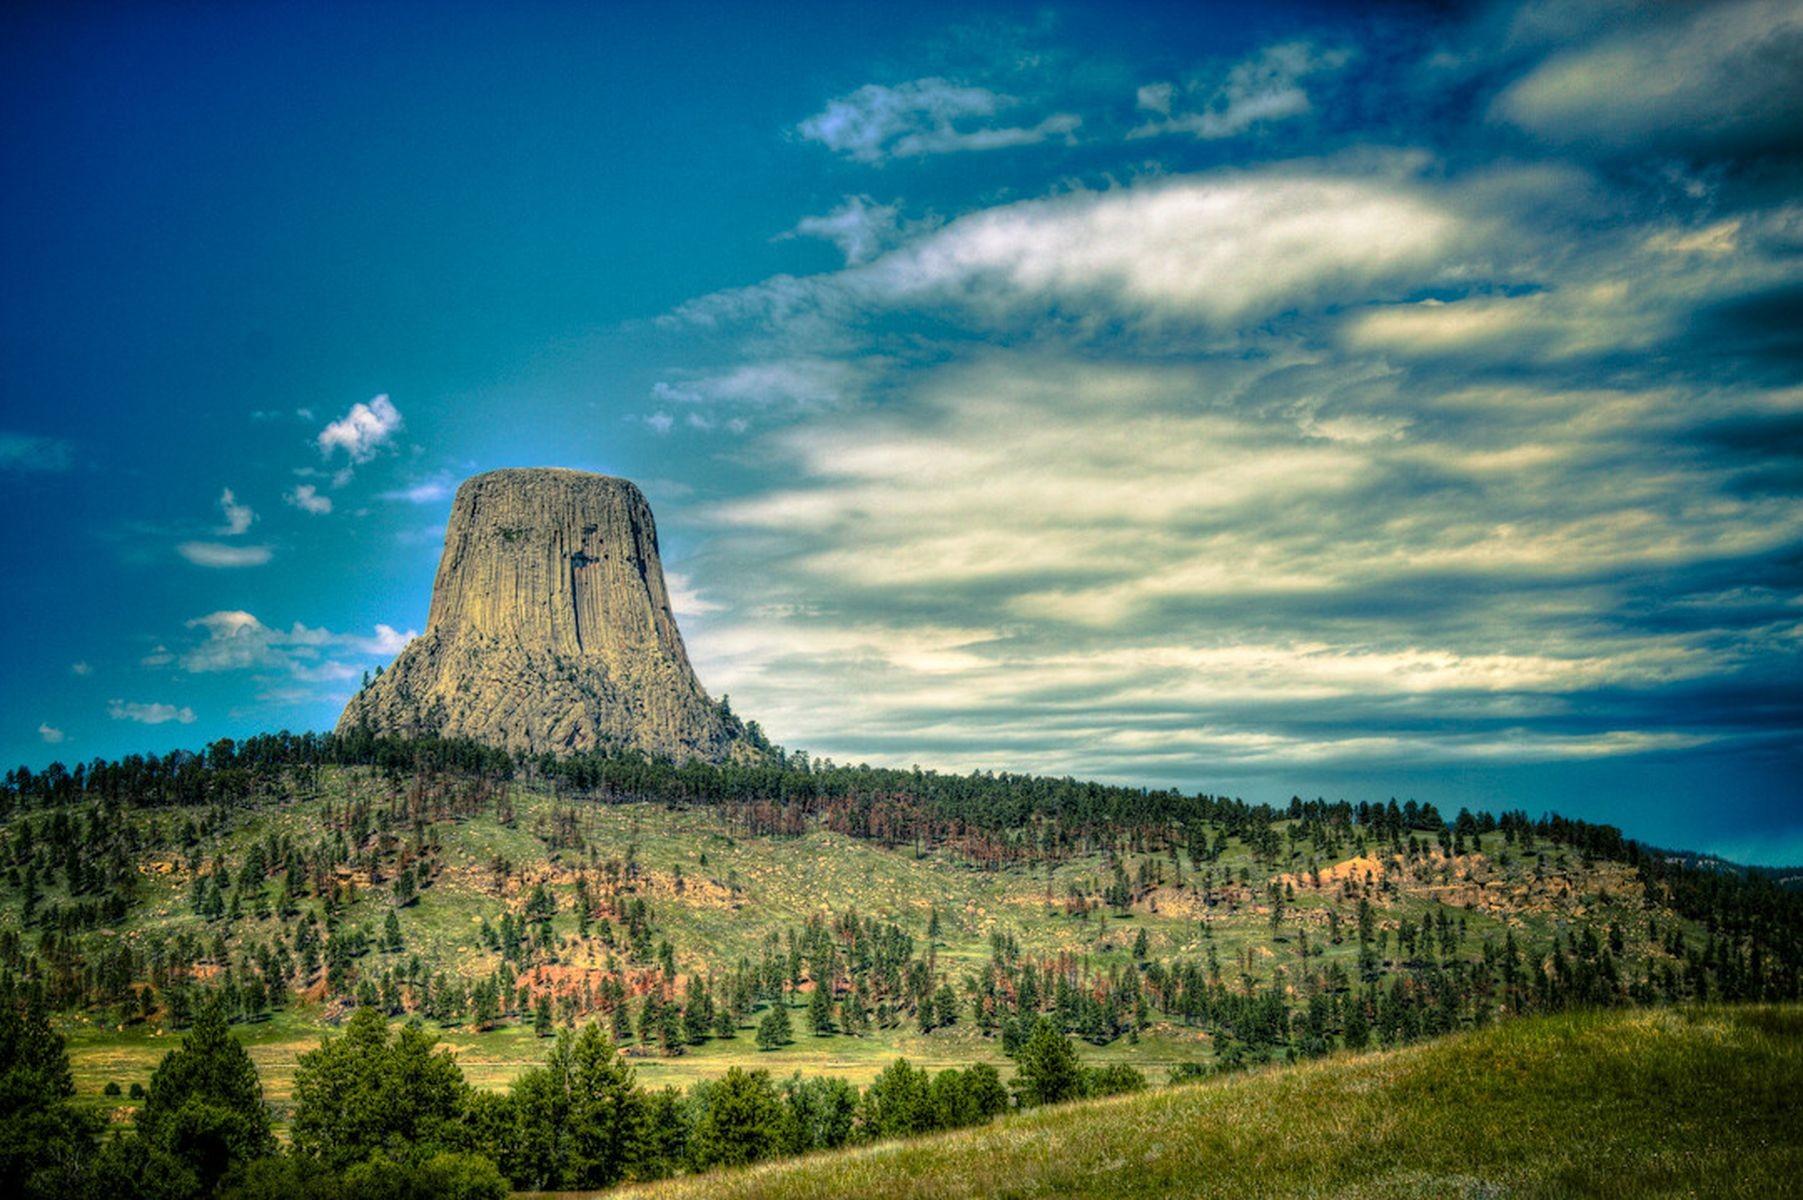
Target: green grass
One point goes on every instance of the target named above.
(1648, 1103)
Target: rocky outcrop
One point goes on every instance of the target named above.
(550, 630)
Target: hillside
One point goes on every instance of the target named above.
(1687, 1102)
(886, 913)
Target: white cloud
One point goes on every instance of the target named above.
(363, 431)
(237, 640)
(660, 422)
(219, 554)
(1266, 87)
(80, 668)
(149, 714)
(28, 452)
(1215, 250)
(386, 643)
(238, 517)
(51, 735)
(923, 116)
(685, 600)
(307, 498)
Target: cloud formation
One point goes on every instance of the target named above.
(1265, 87)
(24, 452)
(238, 517)
(223, 554)
(924, 116)
(429, 491)
(149, 714)
(1187, 253)
(860, 227)
(363, 431)
(1360, 462)
(236, 640)
(49, 734)
(1712, 79)
(308, 499)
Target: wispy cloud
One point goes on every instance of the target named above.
(1712, 79)
(859, 227)
(427, 491)
(29, 452)
(788, 385)
(1266, 87)
(1215, 250)
(924, 116)
(49, 734)
(149, 714)
(223, 554)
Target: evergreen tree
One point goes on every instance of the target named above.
(898, 1102)
(742, 1120)
(363, 1092)
(820, 1011)
(1049, 1071)
(205, 1102)
(44, 1140)
(774, 1030)
(581, 1116)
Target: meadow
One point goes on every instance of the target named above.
(1694, 1101)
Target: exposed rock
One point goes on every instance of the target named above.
(550, 630)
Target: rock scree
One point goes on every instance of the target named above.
(550, 630)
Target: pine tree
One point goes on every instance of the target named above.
(774, 1030)
(820, 1011)
(205, 1103)
(1050, 1071)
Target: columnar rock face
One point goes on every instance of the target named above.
(550, 630)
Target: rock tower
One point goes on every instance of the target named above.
(550, 630)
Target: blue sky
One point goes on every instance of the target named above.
(1263, 398)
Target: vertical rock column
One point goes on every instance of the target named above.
(550, 629)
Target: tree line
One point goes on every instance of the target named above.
(382, 1113)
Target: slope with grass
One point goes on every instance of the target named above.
(720, 895)
(903, 913)
(1695, 1101)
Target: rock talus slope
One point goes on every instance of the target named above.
(550, 630)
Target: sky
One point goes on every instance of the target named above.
(1267, 399)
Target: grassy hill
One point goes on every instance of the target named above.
(722, 897)
(1669, 1102)
(1162, 930)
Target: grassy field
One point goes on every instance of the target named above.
(1649, 1103)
